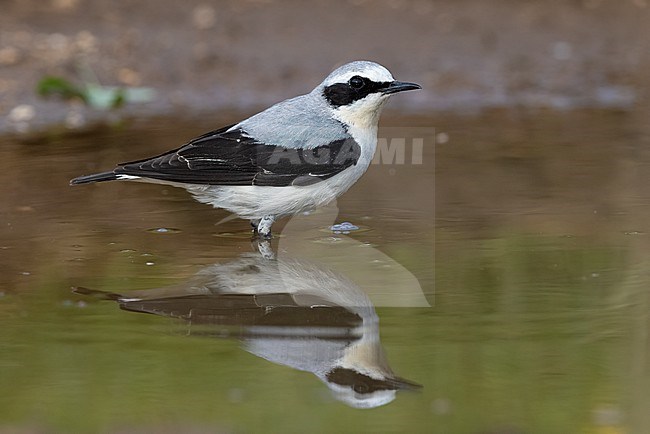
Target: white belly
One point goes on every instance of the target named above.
(254, 202)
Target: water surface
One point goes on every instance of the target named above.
(506, 275)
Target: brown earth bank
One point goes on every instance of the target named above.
(203, 56)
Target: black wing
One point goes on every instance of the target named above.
(225, 157)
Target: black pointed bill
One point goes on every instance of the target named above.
(402, 384)
(400, 86)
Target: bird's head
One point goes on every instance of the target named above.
(361, 377)
(357, 91)
(366, 389)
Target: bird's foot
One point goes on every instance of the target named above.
(264, 227)
(265, 249)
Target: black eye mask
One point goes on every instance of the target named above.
(356, 88)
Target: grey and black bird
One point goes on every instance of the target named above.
(294, 156)
(290, 312)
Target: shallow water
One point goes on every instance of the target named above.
(512, 289)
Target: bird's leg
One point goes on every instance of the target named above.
(264, 226)
(254, 224)
(265, 249)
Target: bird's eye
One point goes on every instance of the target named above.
(360, 387)
(357, 82)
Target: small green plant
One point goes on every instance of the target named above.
(92, 92)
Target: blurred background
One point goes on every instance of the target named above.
(245, 55)
(525, 229)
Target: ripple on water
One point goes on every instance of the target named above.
(343, 228)
(238, 235)
(164, 230)
(346, 228)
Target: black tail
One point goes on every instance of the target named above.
(97, 177)
(96, 293)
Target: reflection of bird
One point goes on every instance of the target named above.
(298, 154)
(289, 312)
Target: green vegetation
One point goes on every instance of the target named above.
(92, 93)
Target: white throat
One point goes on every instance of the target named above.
(363, 113)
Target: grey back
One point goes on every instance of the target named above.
(303, 121)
